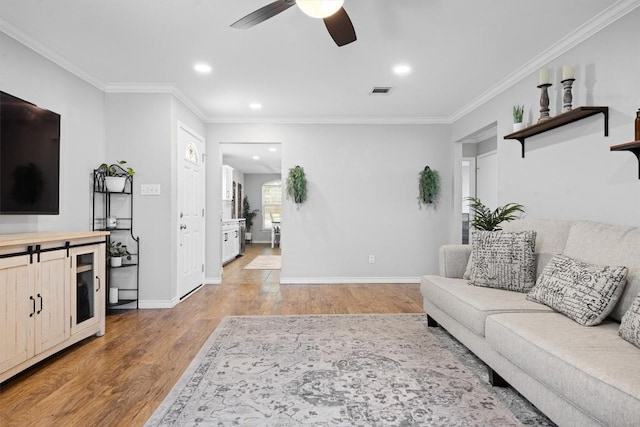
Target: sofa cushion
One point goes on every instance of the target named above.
(593, 368)
(551, 237)
(630, 325)
(584, 292)
(604, 244)
(471, 305)
(503, 260)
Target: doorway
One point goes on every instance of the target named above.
(253, 164)
(190, 210)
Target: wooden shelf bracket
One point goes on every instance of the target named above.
(633, 146)
(562, 119)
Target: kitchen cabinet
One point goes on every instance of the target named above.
(227, 183)
(51, 295)
(230, 241)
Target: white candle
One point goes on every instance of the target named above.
(543, 76)
(567, 72)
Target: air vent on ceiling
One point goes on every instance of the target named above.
(381, 90)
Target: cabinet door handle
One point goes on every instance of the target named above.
(226, 237)
(99, 284)
(33, 307)
(236, 233)
(40, 311)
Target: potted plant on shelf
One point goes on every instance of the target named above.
(248, 215)
(297, 184)
(115, 176)
(115, 252)
(485, 219)
(518, 112)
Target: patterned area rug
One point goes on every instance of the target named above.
(265, 262)
(338, 370)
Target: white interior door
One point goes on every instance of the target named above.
(190, 211)
(487, 179)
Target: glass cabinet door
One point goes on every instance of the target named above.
(87, 289)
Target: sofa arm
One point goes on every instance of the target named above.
(453, 260)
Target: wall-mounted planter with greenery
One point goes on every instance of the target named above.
(428, 186)
(297, 185)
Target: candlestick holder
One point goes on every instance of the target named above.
(544, 102)
(567, 97)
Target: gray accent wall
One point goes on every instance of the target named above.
(569, 172)
(27, 75)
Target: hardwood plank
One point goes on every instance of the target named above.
(122, 377)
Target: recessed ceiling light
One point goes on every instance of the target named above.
(255, 106)
(256, 157)
(402, 69)
(202, 68)
(273, 149)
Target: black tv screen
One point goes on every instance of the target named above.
(29, 158)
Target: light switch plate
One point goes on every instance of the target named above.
(150, 189)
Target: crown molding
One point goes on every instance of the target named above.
(334, 121)
(582, 33)
(43, 50)
(167, 88)
(140, 88)
(588, 29)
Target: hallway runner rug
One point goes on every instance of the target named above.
(338, 370)
(265, 262)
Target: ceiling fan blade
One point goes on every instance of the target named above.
(262, 14)
(340, 27)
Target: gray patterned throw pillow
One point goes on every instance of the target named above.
(583, 292)
(503, 260)
(630, 325)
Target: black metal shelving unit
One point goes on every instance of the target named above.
(105, 204)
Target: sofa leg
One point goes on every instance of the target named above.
(495, 379)
(431, 322)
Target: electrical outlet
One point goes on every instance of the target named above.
(372, 259)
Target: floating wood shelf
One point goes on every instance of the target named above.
(633, 146)
(562, 119)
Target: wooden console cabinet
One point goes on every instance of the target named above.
(52, 295)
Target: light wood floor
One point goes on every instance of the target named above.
(120, 379)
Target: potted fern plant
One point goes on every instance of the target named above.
(518, 113)
(248, 215)
(486, 219)
(297, 184)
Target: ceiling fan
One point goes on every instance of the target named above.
(331, 12)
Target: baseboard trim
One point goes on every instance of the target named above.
(347, 280)
(213, 280)
(158, 303)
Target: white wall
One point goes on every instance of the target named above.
(570, 173)
(142, 129)
(27, 75)
(253, 191)
(362, 199)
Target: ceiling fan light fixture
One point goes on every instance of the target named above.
(319, 8)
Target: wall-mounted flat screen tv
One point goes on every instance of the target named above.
(29, 158)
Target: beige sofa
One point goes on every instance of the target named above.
(576, 375)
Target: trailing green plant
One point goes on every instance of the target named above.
(248, 214)
(117, 249)
(518, 112)
(114, 170)
(486, 219)
(297, 185)
(428, 186)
